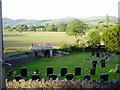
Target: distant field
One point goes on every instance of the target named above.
(22, 41)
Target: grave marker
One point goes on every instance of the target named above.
(24, 71)
(69, 76)
(52, 76)
(118, 68)
(77, 71)
(94, 65)
(49, 70)
(18, 77)
(92, 72)
(104, 77)
(102, 61)
(63, 71)
(86, 77)
(35, 77)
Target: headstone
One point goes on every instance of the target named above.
(49, 70)
(104, 77)
(63, 71)
(87, 77)
(52, 76)
(77, 71)
(24, 71)
(98, 54)
(93, 53)
(18, 77)
(110, 59)
(118, 68)
(69, 76)
(102, 54)
(102, 61)
(94, 65)
(92, 72)
(94, 61)
(35, 77)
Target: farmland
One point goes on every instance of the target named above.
(22, 41)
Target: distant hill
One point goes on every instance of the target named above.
(89, 20)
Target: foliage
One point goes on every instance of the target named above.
(111, 38)
(76, 28)
(61, 27)
(94, 38)
(17, 53)
(32, 28)
(21, 27)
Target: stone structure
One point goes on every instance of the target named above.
(46, 50)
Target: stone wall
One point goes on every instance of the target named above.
(17, 60)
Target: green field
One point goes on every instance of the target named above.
(70, 61)
(22, 41)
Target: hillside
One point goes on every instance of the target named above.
(89, 20)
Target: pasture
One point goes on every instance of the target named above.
(21, 41)
(75, 59)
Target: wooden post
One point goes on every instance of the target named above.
(2, 69)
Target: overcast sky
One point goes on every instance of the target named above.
(53, 9)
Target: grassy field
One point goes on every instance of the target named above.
(70, 61)
(22, 41)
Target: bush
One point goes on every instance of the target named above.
(17, 53)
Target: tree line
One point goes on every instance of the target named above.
(60, 27)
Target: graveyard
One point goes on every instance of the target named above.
(78, 65)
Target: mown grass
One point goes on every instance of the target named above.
(22, 41)
(70, 61)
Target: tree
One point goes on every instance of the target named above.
(94, 38)
(61, 27)
(111, 38)
(107, 20)
(76, 28)
(7, 27)
(32, 28)
(21, 27)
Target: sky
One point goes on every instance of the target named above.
(54, 9)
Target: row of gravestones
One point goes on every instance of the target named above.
(68, 76)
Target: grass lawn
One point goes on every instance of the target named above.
(22, 41)
(70, 61)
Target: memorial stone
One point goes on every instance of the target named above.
(18, 77)
(86, 77)
(35, 77)
(69, 76)
(49, 70)
(63, 71)
(92, 72)
(104, 77)
(52, 76)
(24, 71)
(77, 71)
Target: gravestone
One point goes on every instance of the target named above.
(77, 71)
(92, 53)
(24, 71)
(110, 59)
(94, 61)
(35, 77)
(94, 65)
(86, 77)
(118, 68)
(102, 54)
(18, 77)
(69, 76)
(49, 70)
(102, 61)
(98, 54)
(92, 72)
(104, 77)
(52, 76)
(63, 71)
